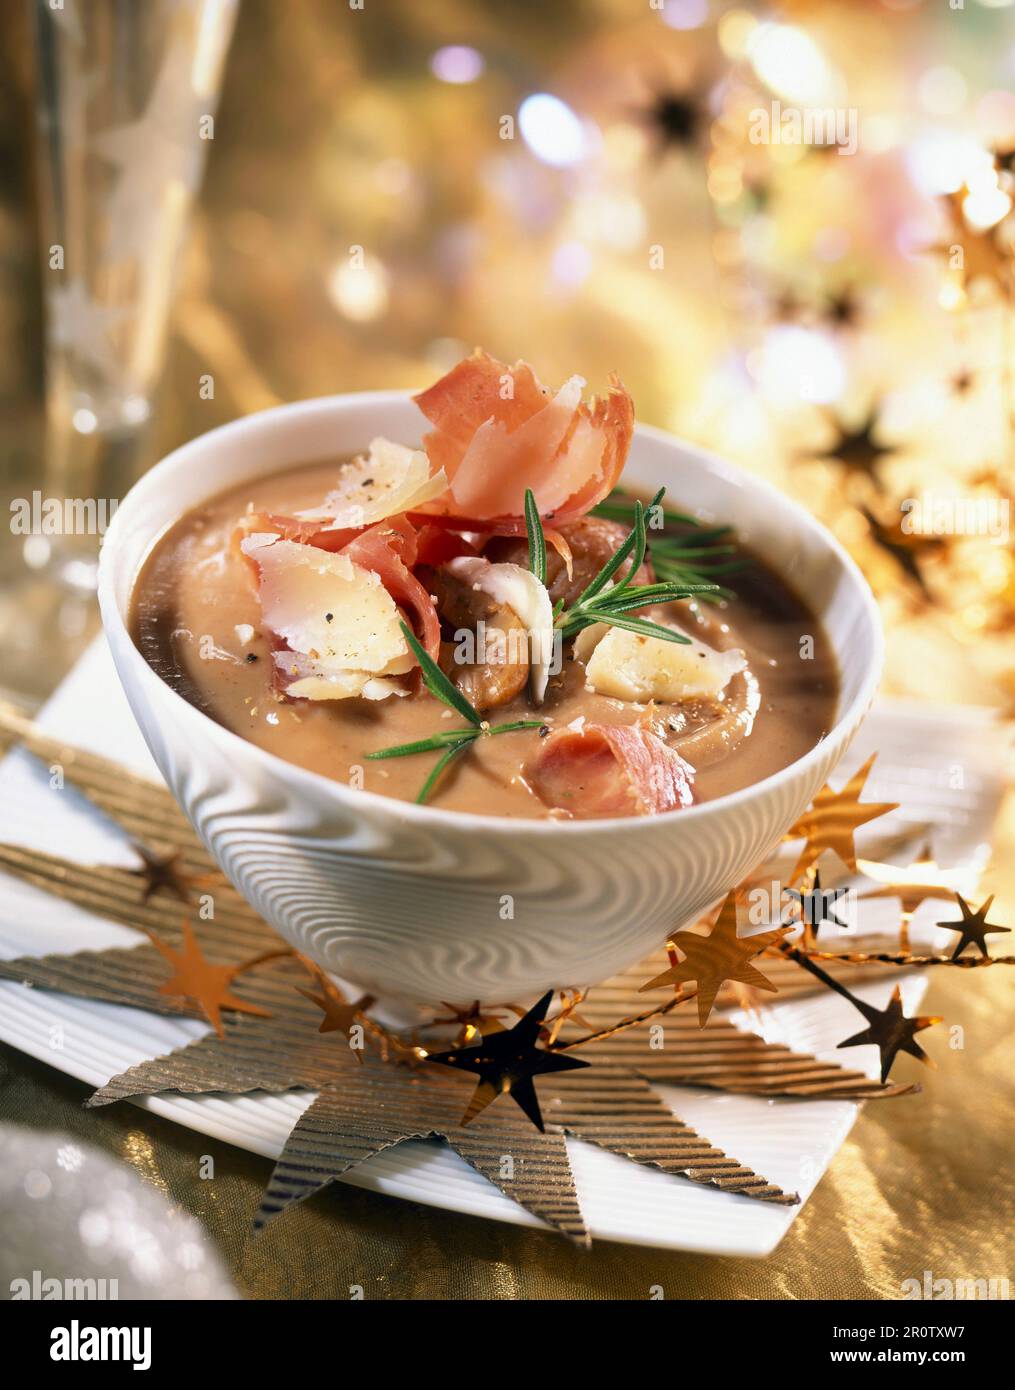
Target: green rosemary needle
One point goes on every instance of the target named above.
(452, 741)
(537, 541)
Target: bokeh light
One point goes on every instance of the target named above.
(457, 64)
(551, 130)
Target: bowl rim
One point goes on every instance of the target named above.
(482, 823)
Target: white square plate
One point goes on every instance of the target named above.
(943, 764)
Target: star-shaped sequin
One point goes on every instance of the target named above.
(817, 905)
(974, 927)
(570, 1002)
(340, 1015)
(977, 253)
(712, 960)
(890, 1031)
(508, 1061)
(843, 309)
(833, 819)
(206, 984)
(473, 1021)
(962, 382)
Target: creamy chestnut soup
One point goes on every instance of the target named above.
(751, 705)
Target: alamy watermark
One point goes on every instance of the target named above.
(933, 514)
(61, 516)
(928, 1287)
(807, 125)
(47, 1287)
(488, 645)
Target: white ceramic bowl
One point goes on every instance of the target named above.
(416, 904)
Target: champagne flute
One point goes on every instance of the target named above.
(127, 91)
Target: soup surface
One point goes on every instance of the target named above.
(197, 619)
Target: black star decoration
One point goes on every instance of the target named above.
(904, 548)
(676, 119)
(844, 309)
(857, 449)
(161, 871)
(974, 927)
(962, 382)
(508, 1061)
(818, 905)
(890, 1031)
(1004, 160)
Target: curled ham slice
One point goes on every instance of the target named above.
(436, 545)
(569, 453)
(609, 770)
(292, 528)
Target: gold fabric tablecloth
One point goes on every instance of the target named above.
(921, 1183)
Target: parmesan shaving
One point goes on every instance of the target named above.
(339, 624)
(389, 480)
(629, 666)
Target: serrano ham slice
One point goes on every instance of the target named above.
(571, 454)
(609, 770)
(293, 528)
(436, 545)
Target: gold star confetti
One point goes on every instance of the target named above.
(712, 960)
(962, 382)
(206, 984)
(974, 927)
(787, 306)
(675, 118)
(473, 1021)
(844, 308)
(833, 819)
(976, 254)
(340, 1016)
(570, 1002)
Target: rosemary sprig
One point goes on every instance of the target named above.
(618, 507)
(537, 541)
(605, 601)
(437, 682)
(604, 608)
(450, 738)
(683, 550)
(453, 741)
(438, 768)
